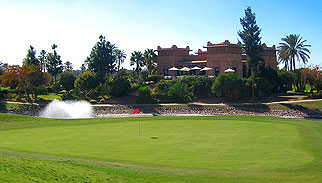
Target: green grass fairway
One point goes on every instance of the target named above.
(168, 149)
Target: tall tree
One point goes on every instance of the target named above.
(68, 66)
(293, 48)
(150, 59)
(42, 60)
(137, 59)
(101, 60)
(31, 58)
(67, 80)
(119, 56)
(28, 78)
(1, 69)
(31, 78)
(54, 64)
(83, 68)
(251, 43)
(10, 77)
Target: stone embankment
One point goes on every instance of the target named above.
(201, 110)
(184, 110)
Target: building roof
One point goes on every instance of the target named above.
(174, 47)
(223, 44)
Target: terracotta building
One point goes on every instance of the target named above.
(214, 61)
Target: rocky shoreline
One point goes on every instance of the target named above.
(203, 111)
(185, 110)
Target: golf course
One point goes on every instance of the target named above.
(160, 149)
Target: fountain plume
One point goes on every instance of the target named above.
(67, 110)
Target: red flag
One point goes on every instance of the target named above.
(136, 111)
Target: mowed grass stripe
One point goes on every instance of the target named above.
(200, 142)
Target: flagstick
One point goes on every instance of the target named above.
(139, 128)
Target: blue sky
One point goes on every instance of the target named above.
(75, 25)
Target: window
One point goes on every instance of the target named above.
(166, 72)
(217, 71)
(244, 71)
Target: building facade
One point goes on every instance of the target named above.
(216, 59)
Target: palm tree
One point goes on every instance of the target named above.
(68, 66)
(137, 59)
(293, 47)
(42, 59)
(120, 56)
(150, 60)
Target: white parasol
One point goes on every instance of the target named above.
(229, 70)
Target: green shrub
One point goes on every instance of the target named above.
(270, 83)
(42, 90)
(144, 75)
(134, 88)
(18, 91)
(155, 78)
(179, 92)
(92, 101)
(263, 87)
(160, 93)
(231, 84)
(85, 84)
(68, 96)
(3, 93)
(120, 86)
(67, 80)
(198, 85)
(145, 95)
(50, 89)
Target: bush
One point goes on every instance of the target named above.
(42, 90)
(86, 83)
(154, 78)
(160, 93)
(200, 86)
(270, 83)
(145, 95)
(144, 75)
(68, 96)
(3, 94)
(263, 87)
(134, 88)
(67, 79)
(93, 101)
(231, 84)
(315, 96)
(50, 89)
(120, 86)
(18, 91)
(179, 92)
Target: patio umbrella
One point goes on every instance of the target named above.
(173, 69)
(206, 69)
(195, 68)
(185, 69)
(229, 70)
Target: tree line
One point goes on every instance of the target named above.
(102, 77)
(103, 62)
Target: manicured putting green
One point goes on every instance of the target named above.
(189, 142)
